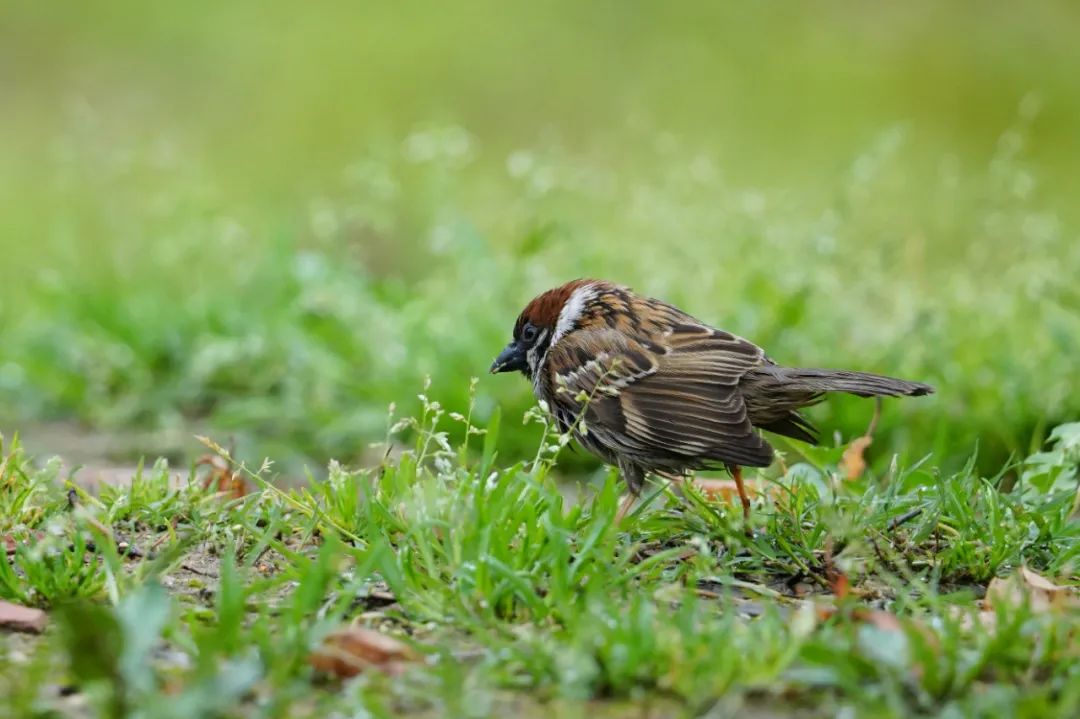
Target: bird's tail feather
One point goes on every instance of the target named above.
(862, 384)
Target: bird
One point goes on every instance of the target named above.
(650, 389)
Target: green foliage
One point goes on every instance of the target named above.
(112, 659)
(1058, 467)
(275, 226)
(513, 593)
(286, 276)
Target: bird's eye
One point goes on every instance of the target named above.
(528, 334)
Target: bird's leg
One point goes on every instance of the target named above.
(624, 506)
(635, 482)
(736, 473)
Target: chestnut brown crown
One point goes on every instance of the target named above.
(544, 309)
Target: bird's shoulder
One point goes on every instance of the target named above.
(625, 338)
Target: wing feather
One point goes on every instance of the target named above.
(672, 401)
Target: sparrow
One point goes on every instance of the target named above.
(652, 390)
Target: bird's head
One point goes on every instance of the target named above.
(544, 320)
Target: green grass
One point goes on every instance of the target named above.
(270, 225)
(516, 597)
(297, 349)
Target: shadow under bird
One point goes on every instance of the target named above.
(650, 389)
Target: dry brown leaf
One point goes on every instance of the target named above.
(840, 584)
(726, 490)
(984, 619)
(838, 580)
(886, 621)
(1027, 585)
(349, 651)
(17, 618)
(880, 619)
(1038, 582)
(221, 477)
(11, 544)
(852, 462)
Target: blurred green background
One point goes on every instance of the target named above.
(272, 221)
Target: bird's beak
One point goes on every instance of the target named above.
(511, 359)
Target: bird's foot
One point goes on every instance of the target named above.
(624, 507)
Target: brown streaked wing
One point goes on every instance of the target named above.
(596, 363)
(678, 405)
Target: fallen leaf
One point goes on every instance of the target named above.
(984, 619)
(221, 477)
(726, 490)
(840, 585)
(838, 580)
(349, 651)
(1040, 583)
(17, 618)
(1030, 586)
(880, 619)
(883, 621)
(11, 544)
(852, 462)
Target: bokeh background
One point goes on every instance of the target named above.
(270, 221)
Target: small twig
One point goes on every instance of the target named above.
(904, 518)
(760, 589)
(874, 419)
(164, 535)
(200, 572)
(877, 551)
(261, 554)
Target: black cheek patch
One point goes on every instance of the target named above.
(543, 343)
